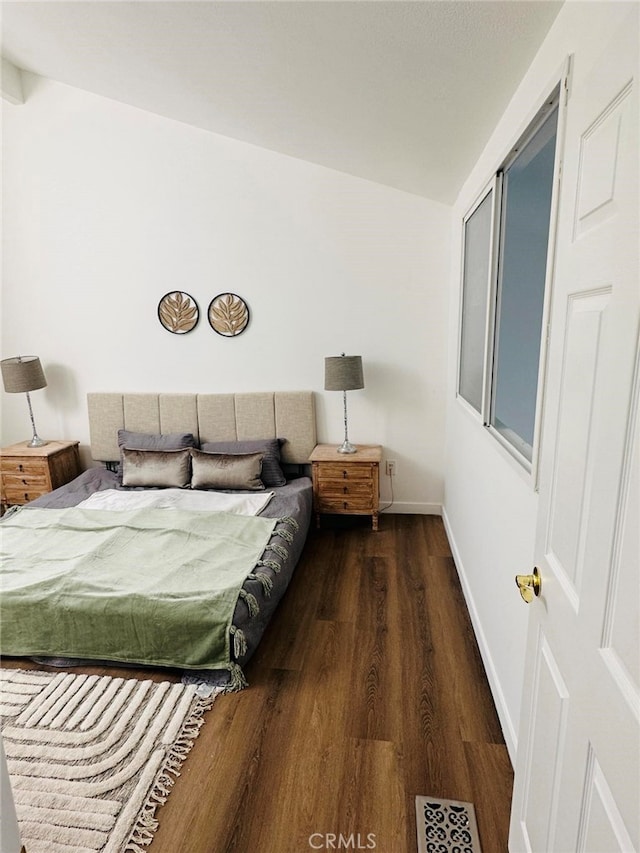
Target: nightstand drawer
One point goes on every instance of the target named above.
(24, 466)
(347, 503)
(20, 482)
(13, 495)
(352, 471)
(352, 488)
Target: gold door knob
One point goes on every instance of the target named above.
(529, 585)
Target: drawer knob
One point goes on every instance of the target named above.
(24, 482)
(344, 474)
(20, 468)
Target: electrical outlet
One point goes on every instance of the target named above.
(391, 467)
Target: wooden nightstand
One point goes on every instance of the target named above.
(346, 483)
(29, 472)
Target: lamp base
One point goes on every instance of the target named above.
(36, 441)
(347, 447)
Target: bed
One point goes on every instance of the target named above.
(165, 555)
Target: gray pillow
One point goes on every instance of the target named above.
(226, 470)
(156, 468)
(154, 441)
(272, 474)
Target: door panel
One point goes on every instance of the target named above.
(574, 436)
(602, 829)
(621, 635)
(599, 154)
(550, 709)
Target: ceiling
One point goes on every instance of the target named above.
(401, 93)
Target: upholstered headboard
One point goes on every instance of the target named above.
(210, 417)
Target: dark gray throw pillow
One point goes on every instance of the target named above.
(272, 474)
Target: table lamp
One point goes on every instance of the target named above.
(344, 373)
(21, 375)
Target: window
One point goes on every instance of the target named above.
(503, 303)
(475, 297)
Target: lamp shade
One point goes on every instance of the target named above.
(343, 373)
(22, 374)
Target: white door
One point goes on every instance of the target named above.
(578, 764)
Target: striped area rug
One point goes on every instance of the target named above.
(91, 758)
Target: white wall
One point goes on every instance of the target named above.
(490, 503)
(107, 208)
(11, 83)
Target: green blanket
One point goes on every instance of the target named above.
(147, 586)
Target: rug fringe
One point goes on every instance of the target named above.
(265, 580)
(251, 601)
(278, 549)
(132, 847)
(287, 535)
(239, 641)
(146, 822)
(237, 680)
(270, 564)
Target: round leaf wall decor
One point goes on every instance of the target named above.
(228, 314)
(178, 312)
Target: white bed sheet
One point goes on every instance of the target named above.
(189, 499)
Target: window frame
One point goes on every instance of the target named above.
(492, 187)
(557, 93)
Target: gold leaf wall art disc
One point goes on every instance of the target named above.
(178, 312)
(228, 314)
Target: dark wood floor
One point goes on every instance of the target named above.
(367, 689)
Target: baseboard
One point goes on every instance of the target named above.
(508, 729)
(408, 508)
